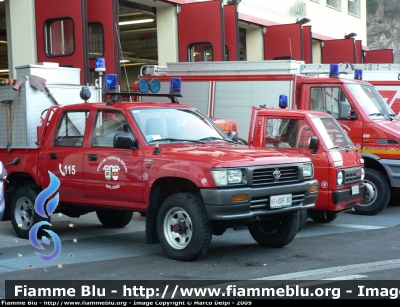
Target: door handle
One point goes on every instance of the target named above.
(92, 157)
(53, 156)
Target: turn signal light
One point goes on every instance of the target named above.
(236, 198)
(313, 189)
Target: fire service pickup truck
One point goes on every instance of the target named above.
(166, 160)
(338, 165)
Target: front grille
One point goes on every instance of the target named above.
(352, 175)
(265, 176)
(262, 203)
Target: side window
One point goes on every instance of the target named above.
(326, 99)
(96, 40)
(59, 37)
(282, 132)
(200, 52)
(71, 129)
(107, 125)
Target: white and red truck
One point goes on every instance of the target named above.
(166, 160)
(229, 90)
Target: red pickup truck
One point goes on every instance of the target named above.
(166, 160)
(338, 165)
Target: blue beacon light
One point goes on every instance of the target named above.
(111, 82)
(283, 101)
(175, 86)
(334, 71)
(358, 74)
(100, 64)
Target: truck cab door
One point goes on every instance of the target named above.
(112, 175)
(64, 154)
(326, 98)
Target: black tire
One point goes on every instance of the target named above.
(303, 218)
(322, 216)
(22, 212)
(183, 228)
(114, 218)
(378, 200)
(276, 231)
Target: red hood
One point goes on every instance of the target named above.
(226, 155)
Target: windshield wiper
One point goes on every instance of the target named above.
(215, 138)
(376, 114)
(176, 140)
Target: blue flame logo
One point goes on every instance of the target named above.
(46, 213)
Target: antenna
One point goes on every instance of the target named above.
(122, 57)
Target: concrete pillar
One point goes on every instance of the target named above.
(254, 44)
(21, 33)
(167, 35)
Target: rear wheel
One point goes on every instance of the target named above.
(114, 218)
(377, 195)
(183, 228)
(276, 231)
(322, 216)
(23, 215)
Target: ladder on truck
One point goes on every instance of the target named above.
(369, 71)
(223, 68)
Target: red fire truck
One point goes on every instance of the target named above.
(370, 123)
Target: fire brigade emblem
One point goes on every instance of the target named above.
(107, 171)
(111, 171)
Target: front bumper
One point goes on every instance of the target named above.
(346, 194)
(220, 207)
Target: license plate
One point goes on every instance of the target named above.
(355, 189)
(280, 201)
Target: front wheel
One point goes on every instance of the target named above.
(377, 195)
(322, 216)
(276, 231)
(114, 218)
(23, 215)
(183, 228)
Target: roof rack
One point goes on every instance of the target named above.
(114, 96)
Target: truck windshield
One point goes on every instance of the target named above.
(371, 101)
(176, 125)
(331, 132)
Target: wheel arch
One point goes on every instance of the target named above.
(159, 191)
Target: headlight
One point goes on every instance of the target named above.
(362, 173)
(339, 178)
(308, 170)
(226, 177)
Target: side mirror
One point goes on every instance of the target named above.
(313, 144)
(234, 136)
(345, 111)
(125, 140)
